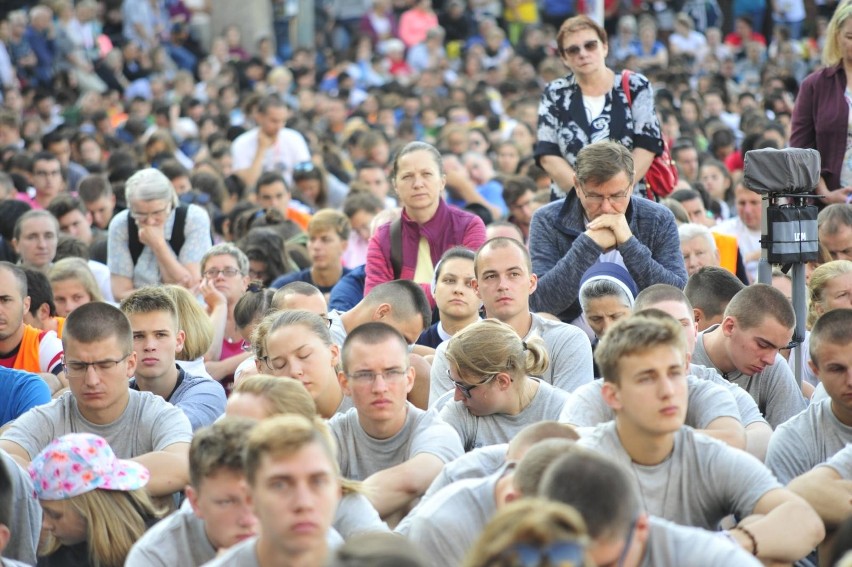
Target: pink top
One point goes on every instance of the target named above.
(413, 25)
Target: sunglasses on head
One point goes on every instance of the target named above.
(561, 553)
(574, 50)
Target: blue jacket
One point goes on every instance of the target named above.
(20, 391)
(561, 252)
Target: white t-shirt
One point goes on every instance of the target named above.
(288, 150)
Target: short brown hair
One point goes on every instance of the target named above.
(633, 335)
(284, 435)
(834, 327)
(283, 395)
(599, 162)
(578, 23)
(219, 446)
(330, 219)
(754, 303)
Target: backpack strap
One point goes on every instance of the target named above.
(625, 86)
(176, 241)
(396, 247)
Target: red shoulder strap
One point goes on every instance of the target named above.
(625, 86)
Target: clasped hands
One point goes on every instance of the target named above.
(609, 230)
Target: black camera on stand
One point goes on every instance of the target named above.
(787, 180)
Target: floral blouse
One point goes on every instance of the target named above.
(564, 129)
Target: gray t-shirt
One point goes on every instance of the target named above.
(707, 402)
(805, 441)
(774, 388)
(701, 482)
(568, 347)
(841, 462)
(355, 514)
(671, 545)
(179, 539)
(338, 332)
(749, 412)
(449, 523)
(201, 399)
(148, 424)
(478, 463)
(244, 554)
(481, 431)
(25, 522)
(361, 455)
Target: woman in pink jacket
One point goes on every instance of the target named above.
(428, 226)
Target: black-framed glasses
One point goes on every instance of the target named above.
(465, 389)
(574, 50)
(389, 375)
(76, 368)
(559, 553)
(599, 199)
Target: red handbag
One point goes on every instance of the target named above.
(662, 176)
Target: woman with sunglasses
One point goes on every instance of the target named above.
(494, 396)
(590, 105)
(298, 344)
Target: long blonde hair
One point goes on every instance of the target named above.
(194, 321)
(115, 520)
(831, 52)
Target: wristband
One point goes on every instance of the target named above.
(750, 535)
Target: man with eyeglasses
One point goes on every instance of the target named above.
(622, 534)
(602, 221)
(157, 338)
(154, 240)
(99, 359)
(48, 180)
(681, 475)
(385, 441)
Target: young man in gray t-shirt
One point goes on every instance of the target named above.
(744, 347)
(623, 534)
(825, 428)
(394, 447)
(99, 360)
(219, 514)
(504, 281)
(680, 476)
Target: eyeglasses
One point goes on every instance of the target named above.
(76, 368)
(599, 199)
(212, 274)
(390, 375)
(560, 553)
(574, 50)
(145, 216)
(466, 388)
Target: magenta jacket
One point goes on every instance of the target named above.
(447, 228)
(821, 119)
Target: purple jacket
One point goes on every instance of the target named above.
(821, 119)
(449, 227)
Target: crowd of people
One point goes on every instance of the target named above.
(464, 282)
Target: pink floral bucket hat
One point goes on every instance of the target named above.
(78, 463)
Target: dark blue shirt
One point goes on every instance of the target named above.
(20, 391)
(304, 276)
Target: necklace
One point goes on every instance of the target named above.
(665, 488)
